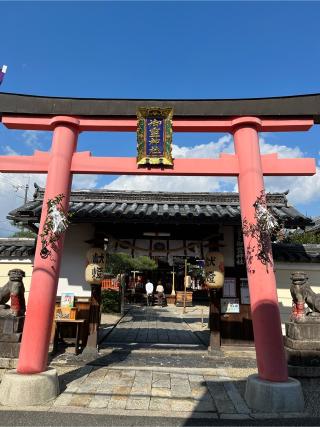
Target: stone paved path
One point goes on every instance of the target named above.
(153, 325)
(148, 390)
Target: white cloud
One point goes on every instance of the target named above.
(12, 193)
(8, 151)
(181, 183)
(212, 149)
(282, 150)
(165, 183)
(84, 181)
(208, 184)
(303, 190)
(31, 138)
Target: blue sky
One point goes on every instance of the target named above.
(162, 50)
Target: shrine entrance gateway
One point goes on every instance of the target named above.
(242, 118)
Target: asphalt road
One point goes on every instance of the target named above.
(35, 418)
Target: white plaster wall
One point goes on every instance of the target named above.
(228, 248)
(283, 273)
(72, 273)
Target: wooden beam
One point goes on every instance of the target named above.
(179, 125)
(226, 165)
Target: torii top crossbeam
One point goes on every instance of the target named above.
(297, 113)
(284, 107)
(245, 118)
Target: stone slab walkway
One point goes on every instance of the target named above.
(153, 325)
(150, 391)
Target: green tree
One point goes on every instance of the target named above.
(302, 238)
(121, 263)
(24, 233)
(21, 231)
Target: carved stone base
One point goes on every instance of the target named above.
(303, 331)
(9, 349)
(302, 344)
(313, 345)
(10, 335)
(11, 324)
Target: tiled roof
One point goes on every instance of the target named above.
(162, 207)
(285, 252)
(16, 248)
(316, 227)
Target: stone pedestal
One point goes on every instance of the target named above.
(10, 335)
(302, 343)
(269, 396)
(28, 390)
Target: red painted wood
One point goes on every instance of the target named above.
(247, 164)
(266, 321)
(41, 302)
(179, 125)
(226, 165)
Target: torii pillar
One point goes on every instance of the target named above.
(265, 312)
(272, 387)
(33, 354)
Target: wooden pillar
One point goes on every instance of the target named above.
(94, 318)
(214, 320)
(266, 321)
(39, 316)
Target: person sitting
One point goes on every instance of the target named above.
(160, 294)
(149, 291)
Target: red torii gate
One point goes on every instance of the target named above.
(246, 164)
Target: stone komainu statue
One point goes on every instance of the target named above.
(302, 294)
(13, 290)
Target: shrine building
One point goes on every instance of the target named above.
(170, 228)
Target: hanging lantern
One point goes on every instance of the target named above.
(96, 256)
(214, 270)
(94, 274)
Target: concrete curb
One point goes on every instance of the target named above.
(177, 414)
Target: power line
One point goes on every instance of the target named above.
(18, 187)
(10, 178)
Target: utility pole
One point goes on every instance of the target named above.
(26, 193)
